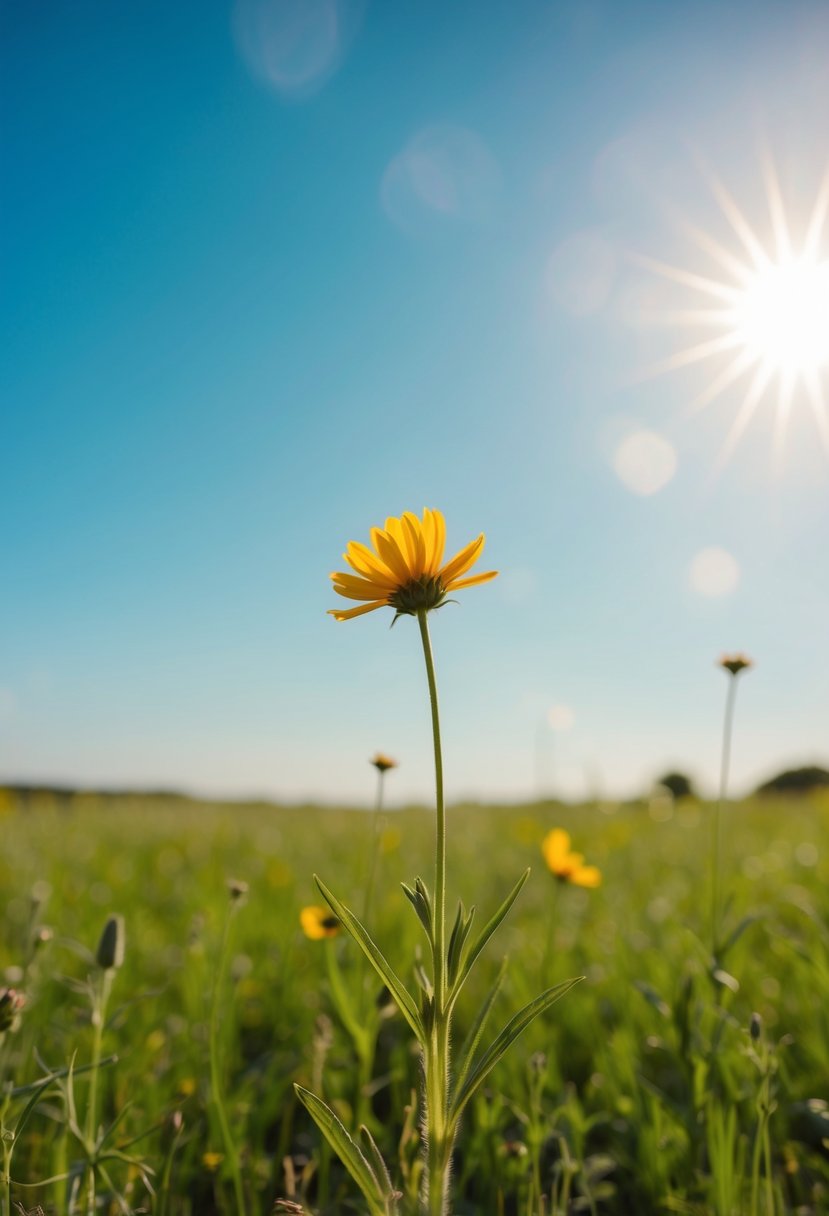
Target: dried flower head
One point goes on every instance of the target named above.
(735, 663)
(382, 762)
(565, 865)
(404, 570)
(318, 922)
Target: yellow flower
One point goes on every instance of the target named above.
(318, 923)
(211, 1161)
(404, 569)
(567, 866)
(382, 762)
(735, 663)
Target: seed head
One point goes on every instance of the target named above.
(237, 890)
(110, 953)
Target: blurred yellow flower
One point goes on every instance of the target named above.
(404, 569)
(382, 762)
(567, 866)
(212, 1161)
(735, 663)
(318, 923)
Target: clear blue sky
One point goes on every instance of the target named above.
(273, 271)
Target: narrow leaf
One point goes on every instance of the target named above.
(453, 955)
(381, 1171)
(348, 1152)
(421, 908)
(484, 936)
(394, 984)
(473, 1038)
(505, 1039)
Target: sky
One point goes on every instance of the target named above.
(274, 270)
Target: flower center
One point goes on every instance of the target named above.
(420, 593)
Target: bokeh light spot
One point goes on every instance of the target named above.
(644, 462)
(714, 572)
(560, 717)
(444, 172)
(294, 46)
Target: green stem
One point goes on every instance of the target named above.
(716, 824)
(436, 1050)
(215, 1078)
(99, 1008)
(440, 827)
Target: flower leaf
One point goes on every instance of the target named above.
(372, 952)
(505, 1039)
(346, 1149)
(484, 936)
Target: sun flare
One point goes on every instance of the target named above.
(764, 318)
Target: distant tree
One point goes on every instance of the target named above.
(678, 784)
(796, 781)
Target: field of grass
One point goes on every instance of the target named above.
(661, 1083)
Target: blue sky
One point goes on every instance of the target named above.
(275, 270)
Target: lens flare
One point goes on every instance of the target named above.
(766, 314)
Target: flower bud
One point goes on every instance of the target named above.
(755, 1026)
(110, 953)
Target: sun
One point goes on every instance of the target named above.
(782, 316)
(763, 314)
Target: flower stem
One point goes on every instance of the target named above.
(440, 826)
(99, 1008)
(716, 825)
(436, 1049)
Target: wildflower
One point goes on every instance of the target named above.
(211, 1161)
(735, 663)
(318, 923)
(567, 866)
(382, 762)
(404, 569)
(11, 1003)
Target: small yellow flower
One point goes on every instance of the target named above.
(567, 866)
(404, 569)
(318, 923)
(212, 1161)
(735, 663)
(382, 762)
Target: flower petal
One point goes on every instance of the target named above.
(437, 527)
(586, 876)
(461, 562)
(357, 588)
(352, 612)
(459, 584)
(556, 848)
(417, 546)
(368, 564)
(391, 553)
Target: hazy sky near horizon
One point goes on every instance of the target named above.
(273, 270)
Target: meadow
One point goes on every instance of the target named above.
(661, 1083)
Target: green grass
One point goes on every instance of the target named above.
(641, 1092)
